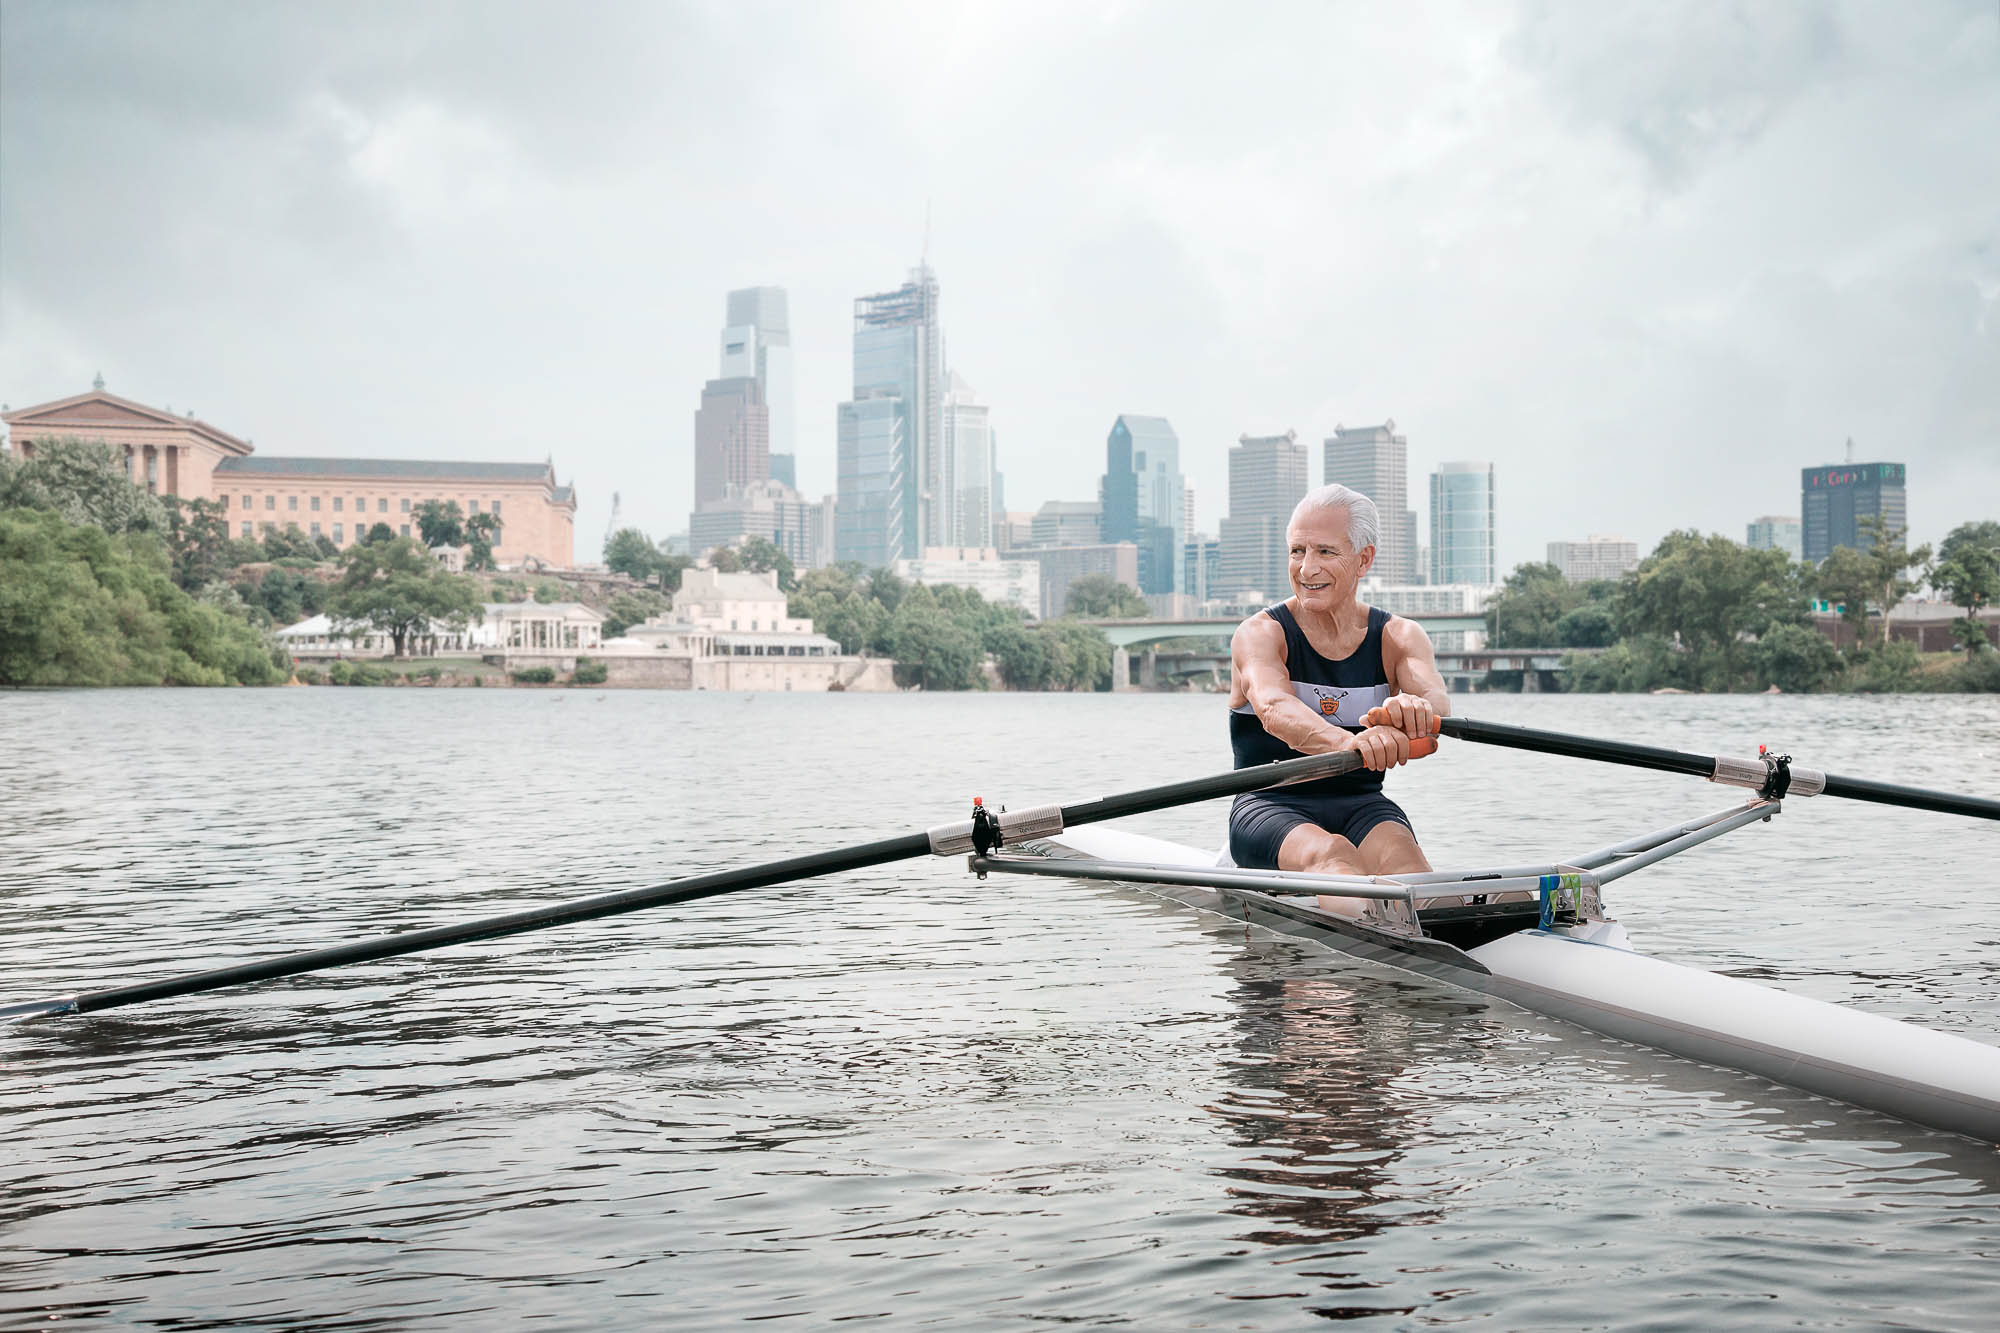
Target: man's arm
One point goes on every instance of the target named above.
(1257, 654)
(1421, 698)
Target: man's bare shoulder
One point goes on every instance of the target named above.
(1259, 632)
(1407, 635)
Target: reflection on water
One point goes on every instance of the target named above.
(907, 1095)
(1315, 1109)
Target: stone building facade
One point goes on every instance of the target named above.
(338, 498)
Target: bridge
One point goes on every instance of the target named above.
(1129, 634)
(1207, 666)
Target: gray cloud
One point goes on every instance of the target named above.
(1651, 261)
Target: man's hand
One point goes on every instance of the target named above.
(1411, 714)
(1382, 747)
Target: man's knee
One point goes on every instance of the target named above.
(1318, 852)
(1390, 848)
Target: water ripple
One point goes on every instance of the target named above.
(910, 1097)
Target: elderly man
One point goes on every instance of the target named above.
(1323, 671)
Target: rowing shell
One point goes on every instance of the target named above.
(1583, 969)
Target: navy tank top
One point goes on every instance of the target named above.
(1341, 692)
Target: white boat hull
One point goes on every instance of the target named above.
(1590, 976)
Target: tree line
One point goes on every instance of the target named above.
(1702, 612)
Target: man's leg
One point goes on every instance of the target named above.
(1391, 849)
(1311, 848)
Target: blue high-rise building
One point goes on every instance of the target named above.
(894, 468)
(1145, 497)
(873, 486)
(1463, 544)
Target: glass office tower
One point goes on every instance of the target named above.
(1145, 497)
(1463, 546)
(757, 344)
(898, 360)
(869, 518)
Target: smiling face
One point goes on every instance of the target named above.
(1325, 567)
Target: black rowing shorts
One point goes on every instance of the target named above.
(1260, 821)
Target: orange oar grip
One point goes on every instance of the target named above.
(1420, 748)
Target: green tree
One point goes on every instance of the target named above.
(1968, 574)
(85, 482)
(1592, 625)
(381, 532)
(198, 541)
(1531, 605)
(631, 608)
(931, 648)
(1079, 655)
(725, 560)
(1716, 597)
(1022, 657)
(631, 552)
(481, 532)
(1101, 597)
(441, 523)
(1893, 569)
(760, 555)
(1630, 666)
(1796, 658)
(398, 588)
(81, 606)
(883, 586)
(289, 543)
(1842, 581)
(855, 622)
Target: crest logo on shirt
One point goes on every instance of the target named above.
(1330, 704)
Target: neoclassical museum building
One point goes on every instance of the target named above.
(338, 498)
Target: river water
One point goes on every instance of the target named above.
(905, 1096)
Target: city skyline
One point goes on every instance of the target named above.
(1650, 300)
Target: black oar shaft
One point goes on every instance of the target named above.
(831, 862)
(1578, 747)
(513, 923)
(1708, 766)
(1916, 798)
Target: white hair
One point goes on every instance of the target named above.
(1364, 525)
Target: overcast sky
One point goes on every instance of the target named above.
(1649, 259)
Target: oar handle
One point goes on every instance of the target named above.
(1771, 776)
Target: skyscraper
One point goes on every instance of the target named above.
(1775, 532)
(898, 361)
(869, 522)
(1833, 501)
(732, 440)
(1145, 497)
(1463, 547)
(969, 442)
(1376, 461)
(757, 343)
(1268, 476)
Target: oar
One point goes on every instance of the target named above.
(978, 834)
(1769, 775)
